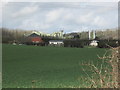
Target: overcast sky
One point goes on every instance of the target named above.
(51, 17)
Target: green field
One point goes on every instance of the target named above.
(46, 67)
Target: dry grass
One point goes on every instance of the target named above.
(105, 77)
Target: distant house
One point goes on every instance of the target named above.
(56, 42)
(94, 43)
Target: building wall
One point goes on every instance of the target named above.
(36, 39)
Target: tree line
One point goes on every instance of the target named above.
(17, 35)
(13, 35)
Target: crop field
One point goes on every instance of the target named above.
(46, 67)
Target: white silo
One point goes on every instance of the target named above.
(89, 34)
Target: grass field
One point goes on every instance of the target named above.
(46, 67)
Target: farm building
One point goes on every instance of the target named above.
(94, 43)
(34, 39)
(56, 42)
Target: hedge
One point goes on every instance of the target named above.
(76, 43)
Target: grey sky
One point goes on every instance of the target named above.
(51, 17)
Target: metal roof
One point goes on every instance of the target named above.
(56, 41)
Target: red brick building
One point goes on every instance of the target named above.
(35, 39)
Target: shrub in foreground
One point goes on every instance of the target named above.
(107, 75)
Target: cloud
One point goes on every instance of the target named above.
(85, 18)
(54, 15)
(68, 16)
(100, 21)
(2, 5)
(33, 24)
(26, 11)
(50, 17)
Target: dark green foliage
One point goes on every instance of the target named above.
(76, 36)
(73, 43)
(76, 43)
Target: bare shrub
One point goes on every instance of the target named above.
(106, 75)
